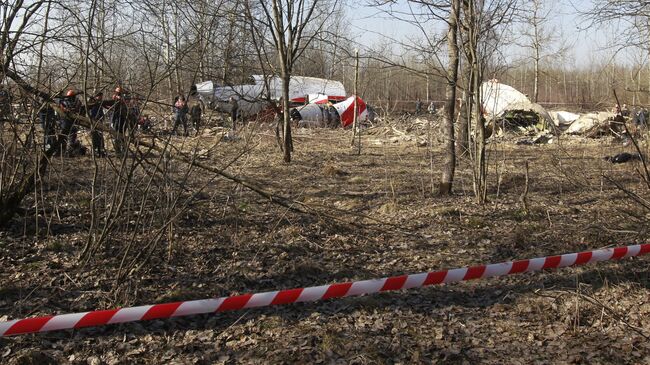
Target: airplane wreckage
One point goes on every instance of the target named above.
(316, 101)
(504, 107)
(507, 109)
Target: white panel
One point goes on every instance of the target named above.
(568, 259)
(536, 264)
(633, 251)
(365, 287)
(415, 281)
(198, 307)
(129, 314)
(63, 321)
(313, 293)
(261, 299)
(601, 255)
(455, 275)
(497, 269)
(4, 326)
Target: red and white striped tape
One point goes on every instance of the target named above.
(310, 294)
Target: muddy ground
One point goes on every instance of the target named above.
(229, 240)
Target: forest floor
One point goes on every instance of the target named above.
(230, 240)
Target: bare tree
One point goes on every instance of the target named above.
(423, 14)
(291, 26)
(540, 38)
(480, 30)
(449, 164)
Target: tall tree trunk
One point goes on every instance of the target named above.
(177, 47)
(536, 82)
(480, 164)
(449, 162)
(288, 143)
(474, 96)
(463, 122)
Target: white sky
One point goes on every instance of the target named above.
(585, 45)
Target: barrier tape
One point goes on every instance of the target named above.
(311, 294)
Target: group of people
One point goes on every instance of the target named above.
(638, 114)
(331, 117)
(61, 129)
(191, 106)
(418, 107)
(60, 118)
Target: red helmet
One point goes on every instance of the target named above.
(70, 93)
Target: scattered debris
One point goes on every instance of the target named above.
(563, 119)
(587, 123)
(541, 138)
(624, 157)
(510, 108)
(256, 96)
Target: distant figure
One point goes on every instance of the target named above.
(418, 106)
(195, 105)
(5, 105)
(69, 142)
(234, 111)
(47, 117)
(372, 114)
(327, 118)
(641, 117)
(180, 110)
(144, 123)
(432, 108)
(625, 111)
(96, 113)
(334, 115)
(295, 116)
(120, 121)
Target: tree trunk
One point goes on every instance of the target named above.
(288, 143)
(449, 162)
(463, 124)
(536, 82)
(479, 139)
(474, 94)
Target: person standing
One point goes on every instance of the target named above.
(642, 117)
(418, 106)
(327, 118)
(119, 120)
(70, 104)
(180, 114)
(47, 116)
(625, 111)
(234, 111)
(432, 108)
(96, 114)
(195, 105)
(295, 117)
(5, 105)
(334, 116)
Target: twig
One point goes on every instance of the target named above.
(611, 311)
